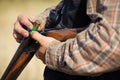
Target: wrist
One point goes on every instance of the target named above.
(40, 54)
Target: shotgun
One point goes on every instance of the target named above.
(28, 47)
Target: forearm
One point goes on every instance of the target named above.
(93, 51)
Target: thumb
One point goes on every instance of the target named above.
(38, 37)
(44, 41)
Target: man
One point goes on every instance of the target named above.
(93, 54)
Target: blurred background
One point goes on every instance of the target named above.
(9, 10)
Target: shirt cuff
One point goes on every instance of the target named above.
(51, 54)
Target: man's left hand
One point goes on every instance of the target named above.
(44, 42)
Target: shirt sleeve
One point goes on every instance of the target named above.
(43, 16)
(93, 51)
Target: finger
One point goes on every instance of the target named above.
(17, 37)
(24, 20)
(42, 26)
(18, 29)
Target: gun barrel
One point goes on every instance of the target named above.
(20, 59)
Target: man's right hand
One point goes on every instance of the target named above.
(19, 32)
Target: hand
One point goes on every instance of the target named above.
(19, 32)
(44, 42)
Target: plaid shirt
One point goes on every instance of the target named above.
(93, 51)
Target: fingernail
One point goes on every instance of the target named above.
(31, 26)
(26, 34)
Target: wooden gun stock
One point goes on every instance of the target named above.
(27, 49)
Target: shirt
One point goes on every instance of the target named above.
(93, 51)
